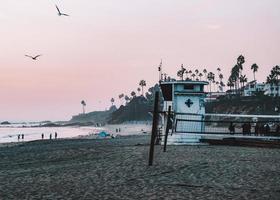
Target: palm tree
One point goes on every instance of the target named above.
(182, 68)
(126, 98)
(139, 90)
(234, 76)
(211, 78)
(181, 72)
(273, 78)
(200, 75)
(219, 71)
(205, 74)
(217, 85)
(221, 86)
(277, 72)
(230, 83)
(193, 75)
(133, 94)
(83, 105)
(112, 101)
(243, 80)
(142, 83)
(240, 62)
(121, 97)
(221, 76)
(255, 68)
(186, 72)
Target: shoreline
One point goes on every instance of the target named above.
(81, 132)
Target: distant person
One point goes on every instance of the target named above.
(42, 136)
(22, 136)
(119, 129)
(248, 128)
(50, 136)
(18, 137)
(262, 129)
(231, 128)
(277, 130)
(257, 128)
(243, 129)
(267, 129)
(55, 135)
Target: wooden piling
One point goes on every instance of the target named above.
(154, 129)
(167, 128)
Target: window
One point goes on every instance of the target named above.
(201, 88)
(188, 87)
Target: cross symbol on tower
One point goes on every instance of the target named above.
(189, 103)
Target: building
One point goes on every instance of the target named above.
(187, 102)
(252, 88)
(184, 96)
(272, 90)
(213, 96)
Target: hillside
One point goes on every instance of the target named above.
(100, 117)
(136, 110)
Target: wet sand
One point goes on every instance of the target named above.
(117, 169)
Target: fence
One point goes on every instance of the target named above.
(226, 124)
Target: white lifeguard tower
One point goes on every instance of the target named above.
(187, 101)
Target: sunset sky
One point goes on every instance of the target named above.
(106, 46)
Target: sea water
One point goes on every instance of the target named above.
(9, 133)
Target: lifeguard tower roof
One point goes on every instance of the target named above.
(169, 88)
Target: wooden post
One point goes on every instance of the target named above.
(154, 129)
(167, 128)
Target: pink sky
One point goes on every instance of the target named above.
(105, 47)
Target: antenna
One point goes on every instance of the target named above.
(160, 70)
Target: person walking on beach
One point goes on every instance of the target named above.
(257, 128)
(22, 136)
(50, 136)
(277, 130)
(262, 129)
(244, 128)
(231, 129)
(55, 135)
(18, 137)
(267, 129)
(249, 127)
(42, 136)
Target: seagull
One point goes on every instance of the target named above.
(34, 58)
(60, 13)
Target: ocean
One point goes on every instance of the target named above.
(9, 133)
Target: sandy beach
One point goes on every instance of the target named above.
(117, 169)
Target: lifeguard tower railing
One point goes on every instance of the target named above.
(225, 124)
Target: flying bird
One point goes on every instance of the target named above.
(60, 13)
(33, 57)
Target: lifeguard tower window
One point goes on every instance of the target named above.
(201, 88)
(166, 91)
(188, 87)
